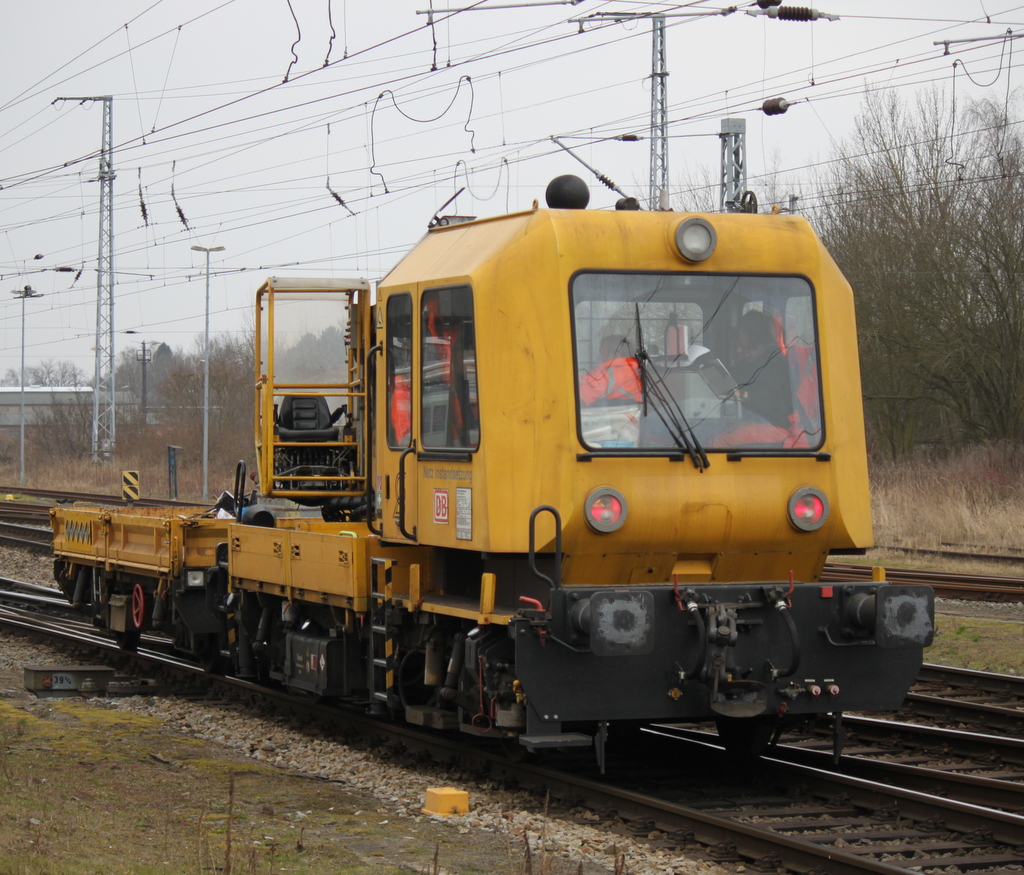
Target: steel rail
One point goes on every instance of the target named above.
(33, 538)
(103, 498)
(974, 789)
(948, 584)
(986, 681)
(1009, 749)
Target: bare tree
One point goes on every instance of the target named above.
(63, 430)
(933, 247)
(178, 387)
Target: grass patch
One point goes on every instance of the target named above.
(84, 790)
(985, 645)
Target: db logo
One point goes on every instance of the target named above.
(441, 506)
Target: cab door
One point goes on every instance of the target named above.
(432, 414)
(396, 481)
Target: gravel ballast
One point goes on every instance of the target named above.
(398, 789)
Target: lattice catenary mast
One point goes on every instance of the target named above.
(103, 418)
(657, 196)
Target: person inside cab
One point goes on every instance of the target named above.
(760, 368)
(617, 378)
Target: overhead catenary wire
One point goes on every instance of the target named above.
(120, 147)
(522, 151)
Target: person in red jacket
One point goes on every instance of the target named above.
(401, 411)
(617, 378)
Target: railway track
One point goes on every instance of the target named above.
(877, 812)
(61, 495)
(951, 585)
(31, 537)
(965, 551)
(27, 523)
(994, 702)
(25, 512)
(875, 824)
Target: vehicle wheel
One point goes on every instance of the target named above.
(141, 607)
(409, 679)
(128, 640)
(208, 655)
(514, 752)
(746, 737)
(66, 583)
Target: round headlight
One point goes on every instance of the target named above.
(808, 509)
(696, 239)
(605, 509)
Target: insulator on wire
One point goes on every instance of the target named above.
(775, 106)
(142, 202)
(791, 13)
(798, 13)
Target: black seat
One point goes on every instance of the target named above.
(305, 418)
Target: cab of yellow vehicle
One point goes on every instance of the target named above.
(674, 387)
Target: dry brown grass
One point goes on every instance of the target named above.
(84, 476)
(975, 498)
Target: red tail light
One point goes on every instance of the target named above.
(808, 509)
(605, 509)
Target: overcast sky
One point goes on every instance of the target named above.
(243, 123)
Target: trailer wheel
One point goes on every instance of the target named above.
(138, 606)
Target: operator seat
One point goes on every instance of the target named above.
(305, 418)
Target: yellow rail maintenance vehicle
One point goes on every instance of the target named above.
(574, 468)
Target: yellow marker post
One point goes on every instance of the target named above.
(130, 485)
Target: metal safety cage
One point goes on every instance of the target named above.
(311, 341)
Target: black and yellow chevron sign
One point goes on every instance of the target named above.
(130, 485)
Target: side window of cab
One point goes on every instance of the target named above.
(399, 370)
(448, 402)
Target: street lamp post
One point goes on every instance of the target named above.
(144, 357)
(206, 371)
(27, 292)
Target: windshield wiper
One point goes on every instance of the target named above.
(654, 390)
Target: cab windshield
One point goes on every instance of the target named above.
(696, 362)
